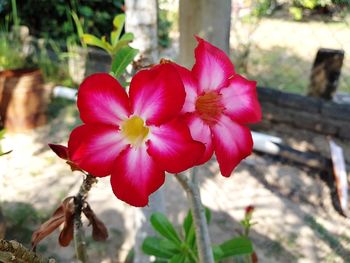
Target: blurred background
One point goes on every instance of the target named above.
(274, 42)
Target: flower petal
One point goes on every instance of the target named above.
(135, 176)
(240, 100)
(95, 147)
(172, 146)
(191, 88)
(201, 132)
(101, 99)
(213, 67)
(233, 142)
(157, 94)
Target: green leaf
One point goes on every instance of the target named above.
(94, 41)
(189, 227)
(179, 258)
(79, 27)
(208, 215)
(122, 59)
(124, 41)
(127, 37)
(159, 247)
(118, 23)
(234, 247)
(162, 225)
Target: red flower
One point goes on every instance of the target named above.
(134, 138)
(249, 209)
(219, 103)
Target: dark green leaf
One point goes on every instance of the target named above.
(188, 227)
(122, 59)
(208, 215)
(159, 247)
(233, 247)
(162, 225)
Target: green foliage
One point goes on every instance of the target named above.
(234, 247)
(52, 19)
(122, 59)
(53, 64)
(264, 7)
(298, 6)
(116, 41)
(173, 247)
(11, 53)
(162, 225)
(117, 46)
(311, 4)
(164, 26)
(21, 219)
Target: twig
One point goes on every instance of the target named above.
(79, 237)
(12, 251)
(198, 213)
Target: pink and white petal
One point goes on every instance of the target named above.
(172, 146)
(241, 101)
(157, 94)
(191, 88)
(95, 147)
(213, 67)
(201, 132)
(136, 176)
(101, 99)
(233, 142)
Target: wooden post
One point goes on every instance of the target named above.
(209, 19)
(141, 19)
(325, 73)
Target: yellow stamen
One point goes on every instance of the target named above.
(135, 130)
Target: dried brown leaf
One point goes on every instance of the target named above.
(66, 235)
(57, 218)
(99, 230)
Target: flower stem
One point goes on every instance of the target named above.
(198, 213)
(79, 236)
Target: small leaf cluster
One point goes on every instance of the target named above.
(173, 247)
(117, 46)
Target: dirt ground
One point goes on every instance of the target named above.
(296, 221)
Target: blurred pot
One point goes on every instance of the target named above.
(23, 99)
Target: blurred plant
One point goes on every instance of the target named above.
(171, 246)
(21, 219)
(117, 47)
(52, 21)
(11, 53)
(264, 7)
(251, 21)
(12, 43)
(164, 26)
(52, 62)
(298, 6)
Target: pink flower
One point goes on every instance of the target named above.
(219, 103)
(134, 138)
